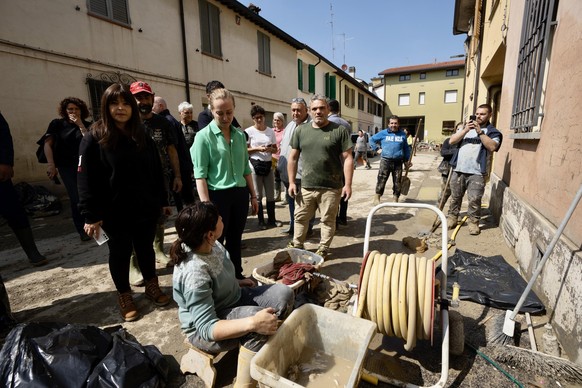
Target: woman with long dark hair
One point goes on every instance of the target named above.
(61, 147)
(122, 192)
(217, 311)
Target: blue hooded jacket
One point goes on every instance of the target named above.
(394, 145)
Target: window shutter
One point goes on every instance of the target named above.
(119, 10)
(332, 87)
(98, 6)
(311, 78)
(299, 74)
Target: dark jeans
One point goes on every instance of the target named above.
(387, 167)
(69, 176)
(125, 237)
(233, 207)
(252, 300)
(10, 207)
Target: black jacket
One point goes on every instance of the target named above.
(121, 184)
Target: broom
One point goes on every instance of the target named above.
(507, 324)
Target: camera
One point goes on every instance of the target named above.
(472, 118)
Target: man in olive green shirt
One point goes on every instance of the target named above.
(326, 151)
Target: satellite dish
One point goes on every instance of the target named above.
(344, 67)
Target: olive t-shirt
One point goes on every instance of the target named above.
(321, 150)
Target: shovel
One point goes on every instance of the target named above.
(405, 180)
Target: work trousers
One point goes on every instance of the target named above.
(387, 167)
(474, 185)
(233, 207)
(252, 300)
(307, 202)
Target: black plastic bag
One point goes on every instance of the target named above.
(37, 201)
(7, 321)
(72, 355)
(130, 364)
(489, 281)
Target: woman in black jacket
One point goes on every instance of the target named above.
(61, 147)
(122, 191)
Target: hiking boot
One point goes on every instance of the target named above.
(474, 228)
(324, 253)
(452, 222)
(376, 200)
(155, 294)
(127, 307)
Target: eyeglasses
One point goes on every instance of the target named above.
(258, 117)
(299, 100)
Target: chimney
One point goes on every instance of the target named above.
(352, 71)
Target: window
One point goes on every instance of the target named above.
(210, 28)
(422, 76)
(349, 96)
(361, 100)
(264, 44)
(403, 99)
(99, 84)
(421, 98)
(452, 72)
(534, 51)
(114, 10)
(450, 96)
(404, 77)
(305, 76)
(329, 85)
(448, 127)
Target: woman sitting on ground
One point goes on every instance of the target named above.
(217, 311)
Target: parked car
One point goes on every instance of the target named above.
(372, 147)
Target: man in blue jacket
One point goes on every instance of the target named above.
(395, 152)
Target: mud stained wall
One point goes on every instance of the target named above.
(558, 286)
(535, 179)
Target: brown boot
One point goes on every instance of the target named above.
(376, 200)
(451, 222)
(474, 228)
(127, 307)
(153, 292)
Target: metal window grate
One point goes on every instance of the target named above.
(98, 84)
(533, 51)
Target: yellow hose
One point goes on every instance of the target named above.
(397, 294)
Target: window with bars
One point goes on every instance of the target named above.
(114, 10)
(264, 44)
(98, 84)
(534, 51)
(210, 28)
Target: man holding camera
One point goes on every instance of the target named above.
(478, 139)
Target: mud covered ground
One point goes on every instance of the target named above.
(76, 287)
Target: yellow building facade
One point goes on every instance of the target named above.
(431, 92)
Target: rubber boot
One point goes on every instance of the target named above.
(376, 200)
(26, 240)
(159, 247)
(261, 217)
(243, 369)
(271, 221)
(135, 276)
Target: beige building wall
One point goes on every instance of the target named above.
(48, 49)
(435, 110)
(537, 174)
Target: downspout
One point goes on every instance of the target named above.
(184, 51)
(478, 65)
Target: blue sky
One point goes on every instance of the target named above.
(379, 34)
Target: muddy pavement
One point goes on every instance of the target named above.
(76, 287)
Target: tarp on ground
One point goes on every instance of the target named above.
(489, 281)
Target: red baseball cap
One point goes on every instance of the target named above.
(140, 86)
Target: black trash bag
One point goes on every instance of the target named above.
(7, 321)
(129, 364)
(70, 355)
(51, 354)
(37, 201)
(489, 281)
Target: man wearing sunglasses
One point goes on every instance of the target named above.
(299, 116)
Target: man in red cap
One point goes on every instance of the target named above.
(158, 128)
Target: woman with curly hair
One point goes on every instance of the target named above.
(61, 147)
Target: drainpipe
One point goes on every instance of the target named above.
(184, 51)
(478, 66)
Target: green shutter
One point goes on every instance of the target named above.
(332, 87)
(326, 82)
(300, 74)
(311, 78)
